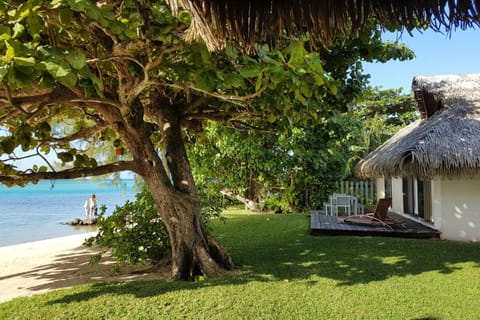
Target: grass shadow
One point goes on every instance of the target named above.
(278, 247)
(285, 250)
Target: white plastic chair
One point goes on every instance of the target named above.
(328, 209)
(343, 201)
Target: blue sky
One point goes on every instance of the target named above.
(435, 54)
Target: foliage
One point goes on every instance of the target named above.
(73, 64)
(134, 232)
(295, 168)
(382, 113)
(111, 86)
(50, 46)
(284, 273)
(212, 203)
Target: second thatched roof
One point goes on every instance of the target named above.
(250, 21)
(445, 144)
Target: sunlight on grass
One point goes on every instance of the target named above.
(394, 260)
(284, 273)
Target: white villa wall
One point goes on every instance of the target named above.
(455, 206)
(437, 203)
(397, 195)
(380, 188)
(460, 210)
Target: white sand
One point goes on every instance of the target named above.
(41, 266)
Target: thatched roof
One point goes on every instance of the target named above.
(446, 144)
(250, 21)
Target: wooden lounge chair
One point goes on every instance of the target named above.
(378, 218)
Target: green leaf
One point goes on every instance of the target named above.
(333, 87)
(10, 52)
(306, 90)
(90, 82)
(25, 62)
(8, 145)
(61, 71)
(107, 11)
(16, 48)
(47, 81)
(56, 69)
(79, 161)
(258, 83)
(250, 71)
(300, 97)
(78, 5)
(43, 130)
(184, 17)
(65, 157)
(77, 59)
(65, 16)
(272, 118)
(296, 54)
(35, 25)
(18, 30)
(131, 33)
(23, 76)
(5, 33)
(3, 72)
(233, 80)
(69, 80)
(319, 81)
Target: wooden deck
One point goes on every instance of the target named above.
(321, 224)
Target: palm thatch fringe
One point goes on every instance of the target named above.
(444, 145)
(249, 21)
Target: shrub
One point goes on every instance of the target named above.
(134, 232)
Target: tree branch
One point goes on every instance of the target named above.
(69, 173)
(224, 97)
(87, 132)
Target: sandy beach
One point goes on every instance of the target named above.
(40, 266)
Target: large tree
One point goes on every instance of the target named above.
(78, 76)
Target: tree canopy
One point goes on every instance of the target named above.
(79, 76)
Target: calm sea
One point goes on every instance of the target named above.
(39, 212)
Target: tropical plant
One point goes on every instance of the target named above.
(382, 113)
(133, 232)
(294, 167)
(80, 77)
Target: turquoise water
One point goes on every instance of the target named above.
(38, 212)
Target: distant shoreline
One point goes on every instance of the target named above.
(46, 242)
(77, 230)
(40, 212)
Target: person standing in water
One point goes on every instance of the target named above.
(91, 207)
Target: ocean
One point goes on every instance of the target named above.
(40, 211)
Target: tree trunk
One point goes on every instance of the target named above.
(173, 189)
(249, 204)
(194, 252)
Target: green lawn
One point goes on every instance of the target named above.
(284, 273)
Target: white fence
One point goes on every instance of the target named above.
(365, 191)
